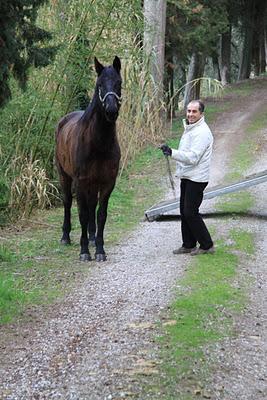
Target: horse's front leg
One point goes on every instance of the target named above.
(84, 219)
(100, 254)
(92, 203)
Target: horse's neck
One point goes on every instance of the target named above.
(102, 133)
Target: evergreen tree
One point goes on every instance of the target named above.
(192, 34)
(22, 43)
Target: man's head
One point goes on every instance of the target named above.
(194, 111)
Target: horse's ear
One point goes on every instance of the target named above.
(117, 64)
(98, 67)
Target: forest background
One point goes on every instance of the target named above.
(171, 52)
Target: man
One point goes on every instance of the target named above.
(193, 163)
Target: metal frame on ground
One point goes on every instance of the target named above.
(165, 206)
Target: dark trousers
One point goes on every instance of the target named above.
(193, 227)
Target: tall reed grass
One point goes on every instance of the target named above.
(140, 122)
(30, 187)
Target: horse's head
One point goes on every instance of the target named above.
(108, 88)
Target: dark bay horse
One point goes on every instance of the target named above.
(87, 158)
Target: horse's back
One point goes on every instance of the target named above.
(68, 121)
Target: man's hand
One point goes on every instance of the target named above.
(166, 150)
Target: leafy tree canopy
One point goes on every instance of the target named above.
(22, 43)
(195, 25)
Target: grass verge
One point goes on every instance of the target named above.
(200, 316)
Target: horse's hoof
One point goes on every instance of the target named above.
(85, 257)
(100, 257)
(65, 241)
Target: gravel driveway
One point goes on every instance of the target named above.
(94, 345)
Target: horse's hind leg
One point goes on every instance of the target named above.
(66, 183)
(84, 220)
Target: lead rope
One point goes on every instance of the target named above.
(170, 175)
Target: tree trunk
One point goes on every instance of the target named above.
(256, 54)
(225, 57)
(248, 28)
(262, 56)
(262, 13)
(154, 40)
(216, 66)
(195, 71)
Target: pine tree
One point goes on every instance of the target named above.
(22, 43)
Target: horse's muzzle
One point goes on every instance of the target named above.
(111, 115)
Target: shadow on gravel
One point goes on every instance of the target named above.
(218, 214)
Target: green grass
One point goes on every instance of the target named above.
(6, 254)
(33, 274)
(213, 110)
(243, 89)
(12, 297)
(203, 310)
(236, 203)
(243, 241)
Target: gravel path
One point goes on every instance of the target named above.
(94, 345)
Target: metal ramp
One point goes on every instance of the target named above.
(163, 207)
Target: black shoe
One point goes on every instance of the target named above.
(184, 250)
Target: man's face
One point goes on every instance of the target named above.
(192, 113)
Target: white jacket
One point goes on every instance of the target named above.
(194, 153)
